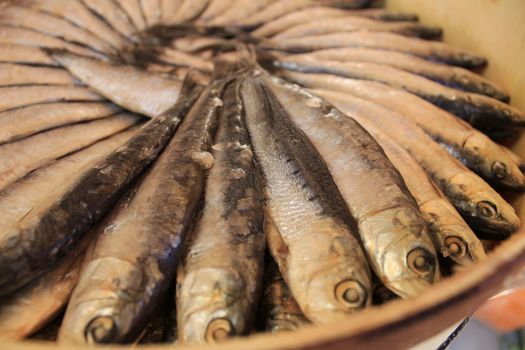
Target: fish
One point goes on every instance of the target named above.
(129, 87)
(386, 15)
(18, 74)
(75, 11)
(133, 9)
(316, 246)
(196, 43)
(179, 58)
(169, 9)
(380, 293)
(52, 231)
(119, 290)
(151, 11)
(279, 308)
(27, 37)
(26, 121)
(10, 53)
(114, 15)
(346, 24)
(291, 19)
(188, 10)
(240, 9)
(451, 235)
(391, 228)
(470, 146)
(19, 16)
(12, 97)
(21, 157)
(215, 8)
(478, 110)
(455, 77)
(220, 277)
(481, 206)
(430, 50)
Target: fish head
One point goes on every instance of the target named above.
(499, 169)
(400, 250)
(483, 207)
(104, 303)
(216, 298)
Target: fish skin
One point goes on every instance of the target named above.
(179, 58)
(152, 221)
(240, 9)
(114, 15)
(220, 277)
(17, 74)
(48, 24)
(214, 9)
(50, 234)
(390, 227)
(133, 9)
(430, 50)
(21, 157)
(25, 121)
(169, 9)
(25, 55)
(27, 37)
(294, 173)
(12, 97)
(279, 308)
(447, 228)
(455, 77)
(151, 11)
(461, 140)
(188, 10)
(482, 207)
(76, 12)
(478, 110)
(129, 87)
(345, 24)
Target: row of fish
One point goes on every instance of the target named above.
(180, 170)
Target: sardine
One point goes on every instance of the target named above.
(195, 43)
(119, 289)
(188, 10)
(24, 54)
(114, 15)
(478, 110)
(136, 90)
(151, 11)
(455, 77)
(316, 246)
(19, 96)
(451, 235)
(18, 74)
(134, 12)
(391, 228)
(380, 293)
(18, 16)
(481, 206)
(76, 12)
(279, 308)
(24, 156)
(239, 10)
(316, 26)
(179, 58)
(465, 143)
(220, 277)
(431, 50)
(22, 122)
(28, 37)
(302, 16)
(386, 15)
(215, 8)
(169, 9)
(50, 232)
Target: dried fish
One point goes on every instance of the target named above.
(114, 15)
(24, 54)
(17, 74)
(134, 11)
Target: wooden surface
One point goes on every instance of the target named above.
(493, 28)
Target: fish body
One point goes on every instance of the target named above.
(18, 74)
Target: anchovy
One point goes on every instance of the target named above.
(188, 10)
(114, 15)
(179, 58)
(316, 246)
(25, 121)
(481, 206)
(346, 24)
(240, 10)
(169, 9)
(136, 90)
(17, 74)
(455, 77)
(220, 277)
(391, 228)
(134, 12)
(461, 140)
(24, 54)
(478, 110)
(50, 232)
(151, 11)
(119, 289)
(215, 9)
(431, 50)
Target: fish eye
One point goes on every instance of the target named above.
(499, 169)
(456, 246)
(487, 209)
(350, 294)
(219, 330)
(101, 330)
(420, 261)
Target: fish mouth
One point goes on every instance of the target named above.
(101, 330)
